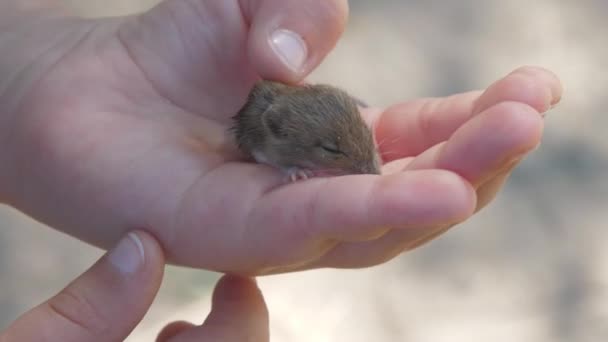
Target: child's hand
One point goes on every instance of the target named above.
(114, 124)
(110, 299)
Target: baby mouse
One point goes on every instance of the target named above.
(306, 131)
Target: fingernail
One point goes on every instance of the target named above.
(128, 255)
(551, 108)
(290, 48)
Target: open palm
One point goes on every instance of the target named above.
(127, 128)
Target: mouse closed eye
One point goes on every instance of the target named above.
(306, 130)
(331, 148)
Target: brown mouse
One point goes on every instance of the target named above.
(309, 130)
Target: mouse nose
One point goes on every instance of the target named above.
(370, 168)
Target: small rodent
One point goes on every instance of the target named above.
(309, 130)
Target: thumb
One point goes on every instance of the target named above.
(103, 304)
(289, 38)
(238, 314)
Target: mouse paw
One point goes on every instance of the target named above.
(295, 174)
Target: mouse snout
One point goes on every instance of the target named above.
(370, 168)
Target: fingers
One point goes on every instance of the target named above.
(250, 222)
(204, 56)
(536, 87)
(481, 140)
(376, 252)
(408, 129)
(237, 302)
(289, 38)
(348, 208)
(105, 303)
(486, 144)
(173, 329)
(238, 313)
(356, 208)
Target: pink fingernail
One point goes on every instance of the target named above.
(290, 48)
(128, 255)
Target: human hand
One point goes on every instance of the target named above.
(124, 124)
(238, 313)
(110, 299)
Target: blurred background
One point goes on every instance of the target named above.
(531, 267)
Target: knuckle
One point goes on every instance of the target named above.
(75, 308)
(428, 119)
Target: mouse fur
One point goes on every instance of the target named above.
(305, 130)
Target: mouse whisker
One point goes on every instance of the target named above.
(391, 155)
(387, 141)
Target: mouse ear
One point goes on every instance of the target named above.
(273, 121)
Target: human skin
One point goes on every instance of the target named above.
(113, 124)
(108, 301)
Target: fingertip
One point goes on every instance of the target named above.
(233, 288)
(496, 138)
(173, 329)
(521, 125)
(290, 38)
(238, 313)
(238, 302)
(106, 302)
(537, 87)
(138, 254)
(464, 196)
(152, 250)
(548, 76)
